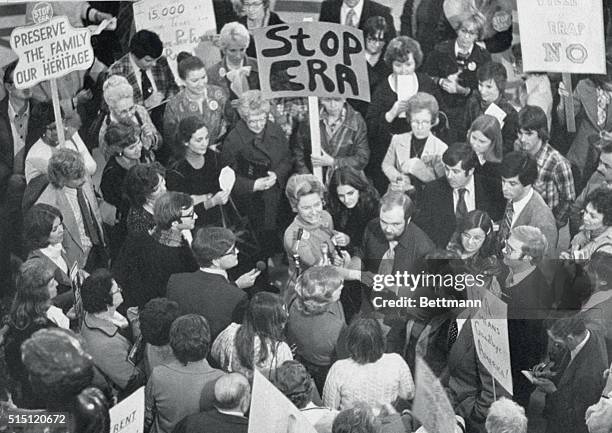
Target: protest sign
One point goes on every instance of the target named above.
(272, 412)
(128, 416)
(562, 36)
(49, 50)
(491, 338)
(431, 405)
(181, 25)
(312, 59)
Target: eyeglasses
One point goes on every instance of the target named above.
(189, 215)
(232, 251)
(255, 5)
(127, 111)
(420, 123)
(375, 40)
(257, 121)
(468, 31)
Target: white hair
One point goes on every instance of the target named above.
(506, 416)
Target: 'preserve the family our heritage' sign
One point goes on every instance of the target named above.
(50, 50)
(562, 36)
(312, 59)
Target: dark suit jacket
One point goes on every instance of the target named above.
(437, 212)
(579, 387)
(330, 12)
(469, 384)
(212, 421)
(207, 294)
(36, 128)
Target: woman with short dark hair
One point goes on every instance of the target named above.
(142, 186)
(155, 321)
(173, 390)
(103, 328)
(369, 375)
(596, 231)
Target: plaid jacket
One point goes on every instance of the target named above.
(162, 74)
(555, 182)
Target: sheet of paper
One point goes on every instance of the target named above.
(227, 179)
(498, 113)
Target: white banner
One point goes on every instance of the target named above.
(128, 416)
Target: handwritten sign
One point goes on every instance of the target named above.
(180, 24)
(128, 416)
(50, 50)
(284, 418)
(562, 36)
(491, 338)
(431, 405)
(312, 59)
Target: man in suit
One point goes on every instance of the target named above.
(525, 206)
(528, 295)
(582, 381)
(450, 198)
(597, 309)
(392, 244)
(232, 401)
(355, 13)
(148, 73)
(73, 195)
(21, 124)
(208, 291)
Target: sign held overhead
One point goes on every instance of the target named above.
(50, 50)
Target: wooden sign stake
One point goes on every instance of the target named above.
(570, 121)
(59, 124)
(315, 133)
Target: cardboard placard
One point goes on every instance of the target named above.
(128, 416)
(562, 36)
(272, 412)
(50, 50)
(312, 59)
(491, 338)
(180, 24)
(431, 405)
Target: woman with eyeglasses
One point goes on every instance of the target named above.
(147, 260)
(415, 158)
(257, 14)
(453, 65)
(474, 243)
(105, 331)
(387, 111)
(119, 96)
(596, 231)
(196, 171)
(36, 286)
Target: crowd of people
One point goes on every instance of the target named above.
(145, 248)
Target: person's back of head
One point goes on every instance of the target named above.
(233, 392)
(506, 416)
(358, 419)
(293, 380)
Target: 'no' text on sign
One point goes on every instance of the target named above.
(50, 50)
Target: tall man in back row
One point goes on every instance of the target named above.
(355, 13)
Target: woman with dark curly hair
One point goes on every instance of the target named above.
(389, 101)
(173, 390)
(155, 321)
(103, 328)
(596, 231)
(196, 171)
(43, 235)
(474, 239)
(142, 186)
(353, 203)
(35, 288)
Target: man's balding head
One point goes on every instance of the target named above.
(233, 392)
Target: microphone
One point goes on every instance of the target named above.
(261, 265)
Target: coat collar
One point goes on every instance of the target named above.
(95, 323)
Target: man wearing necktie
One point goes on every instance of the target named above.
(354, 13)
(445, 201)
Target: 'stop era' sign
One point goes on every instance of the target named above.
(562, 36)
(50, 50)
(312, 59)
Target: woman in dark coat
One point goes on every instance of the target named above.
(383, 119)
(258, 152)
(257, 14)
